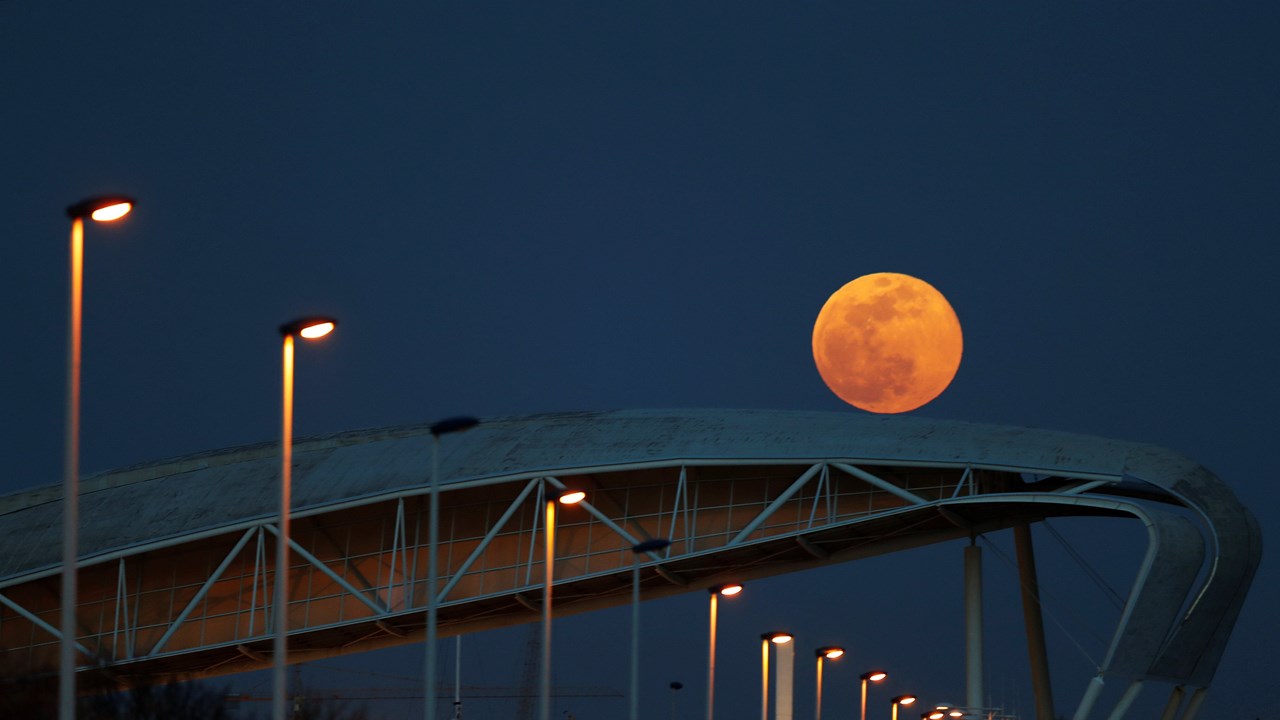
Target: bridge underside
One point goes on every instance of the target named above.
(199, 607)
(176, 577)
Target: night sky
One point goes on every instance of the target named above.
(644, 205)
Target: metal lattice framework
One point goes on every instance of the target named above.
(177, 568)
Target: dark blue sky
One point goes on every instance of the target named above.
(518, 210)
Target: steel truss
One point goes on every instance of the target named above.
(200, 605)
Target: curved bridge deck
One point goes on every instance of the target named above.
(177, 569)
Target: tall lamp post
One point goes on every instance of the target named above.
(903, 700)
(99, 209)
(307, 328)
(637, 550)
(767, 639)
(729, 590)
(823, 653)
(869, 677)
(443, 427)
(566, 497)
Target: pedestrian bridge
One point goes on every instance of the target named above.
(176, 563)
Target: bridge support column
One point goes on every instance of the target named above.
(786, 673)
(1034, 621)
(973, 626)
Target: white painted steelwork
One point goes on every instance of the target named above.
(175, 556)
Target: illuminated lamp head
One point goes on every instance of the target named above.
(309, 328)
(571, 497)
(103, 208)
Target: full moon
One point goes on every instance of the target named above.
(887, 343)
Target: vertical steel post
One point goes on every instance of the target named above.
(433, 547)
(764, 679)
(973, 625)
(817, 703)
(281, 603)
(711, 657)
(786, 686)
(457, 677)
(635, 636)
(549, 555)
(71, 482)
(1034, 622)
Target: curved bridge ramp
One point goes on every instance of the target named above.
(176, 566)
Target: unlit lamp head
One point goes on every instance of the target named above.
(460, 423)
(309, 328)
(103, 208)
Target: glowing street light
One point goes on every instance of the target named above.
(99, 209)
(443, 427)
(566, 497)
(637, 550)
(729, 590)
(767, 639)
(307, 328)
(823, 653)
(869, 677)
(903, 700)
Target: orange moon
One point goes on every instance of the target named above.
(887, 343)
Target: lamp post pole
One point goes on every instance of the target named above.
(729, 590)
(869, 676)
(823, 653)
(901, 700)
(444, 427)
(764, 678)
(566, 497)
(101, 209)
(637, 550)
(309, 328)
(767, 639)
